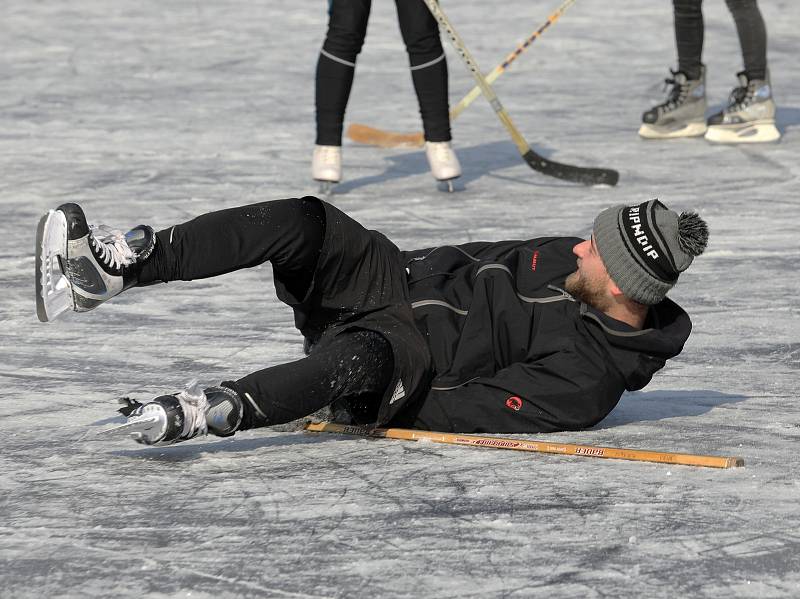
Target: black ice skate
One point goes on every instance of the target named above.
(749, 116)
(79, 267)
(174, 418)
(682, 114)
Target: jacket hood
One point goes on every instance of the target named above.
(638, 354)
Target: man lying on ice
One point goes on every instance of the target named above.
(503, 337)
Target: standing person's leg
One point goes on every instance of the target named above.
(752, 36)
(689, 32)
(347, 28)
(749, 116)
(683, 114)
(428, 67)
(429, 74)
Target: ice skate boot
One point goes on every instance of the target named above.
(683, 113)
(749, 116)
(326, 167)
(443, 162)
(174, 418)
(79, 267)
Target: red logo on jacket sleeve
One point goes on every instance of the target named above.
(534, 260)
(514, 402)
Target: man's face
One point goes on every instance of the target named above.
(590, 283)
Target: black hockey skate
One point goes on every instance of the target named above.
(749, 116)
(174, 418)
(79, 267)
(683, 112)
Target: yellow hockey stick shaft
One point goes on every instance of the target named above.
(590, 451)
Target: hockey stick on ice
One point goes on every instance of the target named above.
(568, 172)
(639, 455)
(372, 136)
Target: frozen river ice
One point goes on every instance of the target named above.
(158, 111)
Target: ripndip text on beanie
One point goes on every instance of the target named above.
(646, 247)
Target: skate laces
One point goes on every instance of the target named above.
(194, 404)
(739, 98)
(442, 152)
(328, 155)
(111, 246)
(677, 94)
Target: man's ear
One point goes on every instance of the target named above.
(613, 289)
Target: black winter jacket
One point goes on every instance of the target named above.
(513, 352)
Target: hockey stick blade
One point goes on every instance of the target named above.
(371, 136)
(568, 172)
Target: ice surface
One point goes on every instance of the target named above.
(155, 112)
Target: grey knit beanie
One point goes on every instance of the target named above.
(645, 247)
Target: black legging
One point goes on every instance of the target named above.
(689, 29)
(347, 28)
(356, 366)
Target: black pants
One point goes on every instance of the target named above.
(355, 366)
(689, 30)
(347, 29)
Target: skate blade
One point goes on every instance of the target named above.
(137, 427)
(653, 132)
(326, 187)
(450, 185)
(741, 134)
(53, 289)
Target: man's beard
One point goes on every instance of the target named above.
(582, 289)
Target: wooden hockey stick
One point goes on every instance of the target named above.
(590, 451)
(568, 172)
(372, 136)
